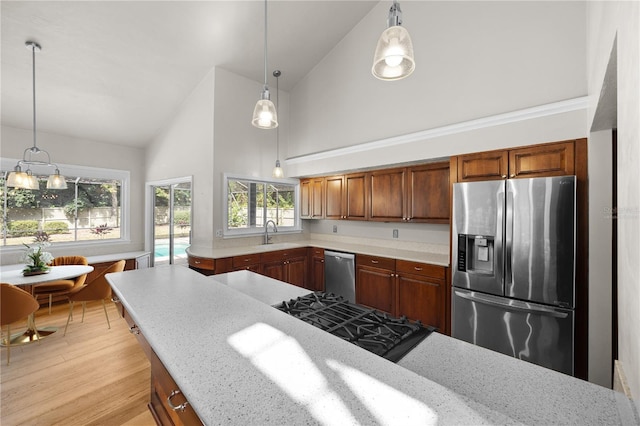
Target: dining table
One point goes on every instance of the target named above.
(12, 274)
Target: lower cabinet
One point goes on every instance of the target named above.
(403, 288)
(316, 270)
(289, 266)
(422, 293)
(167, 404)
(376, 283)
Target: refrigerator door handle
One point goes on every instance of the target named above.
(511, 305)
(508, 238)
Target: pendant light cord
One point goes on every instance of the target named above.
(33, 69)
(265, 44)
(277, 109)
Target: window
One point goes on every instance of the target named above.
(91, 209)
(250, 202)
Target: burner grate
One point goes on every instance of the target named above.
(375, 331)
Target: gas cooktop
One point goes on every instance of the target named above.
(378, 332)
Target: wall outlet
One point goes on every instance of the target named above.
(335, 229)
(218, 232)
(395, 233)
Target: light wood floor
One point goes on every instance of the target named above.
(91, 376)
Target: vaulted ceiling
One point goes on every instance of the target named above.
(116, 71)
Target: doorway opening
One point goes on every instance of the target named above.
(170, 219)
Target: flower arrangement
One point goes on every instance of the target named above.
(36, 260)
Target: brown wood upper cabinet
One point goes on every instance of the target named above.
(410, 194)
(553, 159)
(311, 198)
(346, 197)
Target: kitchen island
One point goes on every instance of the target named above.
(238, 360)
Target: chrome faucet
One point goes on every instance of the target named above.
(266, 230)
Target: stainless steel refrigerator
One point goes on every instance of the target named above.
(513, 279)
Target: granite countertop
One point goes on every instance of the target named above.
(424, 256)
(248, 363)
(245, 362)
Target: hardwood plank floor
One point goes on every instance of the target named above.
(91, 376)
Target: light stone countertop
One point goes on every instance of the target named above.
(424, 256)
(240, 361)
(247, 363)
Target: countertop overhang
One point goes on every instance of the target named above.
(238, 360)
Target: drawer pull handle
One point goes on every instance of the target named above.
(134, 330)
(180, 407)
(374, 261)
(417, 268)
(246, 260)
(115, 299)
(197, 262)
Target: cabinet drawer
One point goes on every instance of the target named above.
(376, 261)
(133, 328)
(422, 269)
(317, 252)
(274, 256)
(246, 260)
(202, 263)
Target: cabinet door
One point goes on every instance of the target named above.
(305, 199)
(274, 269)
(316, 277)
(334, 187)
(317, 198)
(555, 159)
(296, 268)
(376, 283)
(387, 195)
(428, 193)
(483, 166)
(422, 298)
(355, 196)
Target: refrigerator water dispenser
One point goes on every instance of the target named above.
(475, 253)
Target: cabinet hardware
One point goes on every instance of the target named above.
(417, 268)
(134, 330)
(180, 407)
(197, 262)
(115, 299)
(375, 262)
(504, 176)
(513, 175)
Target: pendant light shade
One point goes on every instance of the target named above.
(264, 114)
(25, 180)
(277, 170)
(393, 59)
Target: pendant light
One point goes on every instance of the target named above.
(264, 114)
(277, 170)
(25, 180)
(393, 59)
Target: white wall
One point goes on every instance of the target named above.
(473, 59)
(606, 22)
(600, 260)
(82, 152)
(185, 148)
(240, 147)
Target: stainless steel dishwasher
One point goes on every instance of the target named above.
(340, 274)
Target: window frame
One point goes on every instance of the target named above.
(246, 232)
(124, 176)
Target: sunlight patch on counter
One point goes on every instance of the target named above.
(281, 358)
(388, 405)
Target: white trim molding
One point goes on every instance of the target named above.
(554, 108)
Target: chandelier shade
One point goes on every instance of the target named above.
(25, 180)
